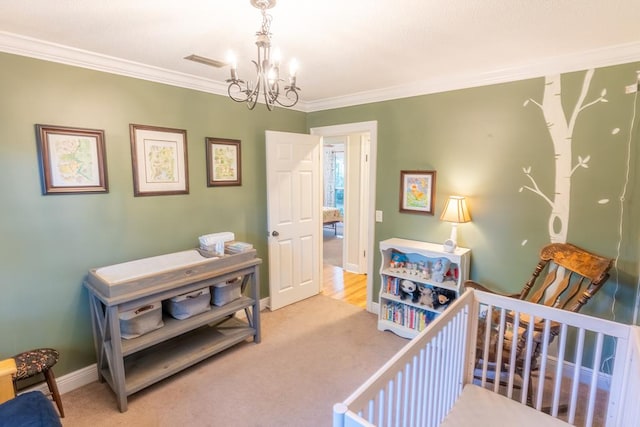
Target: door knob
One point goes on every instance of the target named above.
(275, 233)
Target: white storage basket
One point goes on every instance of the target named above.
(225, 292)
(187, 305)
(141, 320)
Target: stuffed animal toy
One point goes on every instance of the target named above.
(440, 268)
(442, 298)
(408, 289)
(426, 296)
(397, 260)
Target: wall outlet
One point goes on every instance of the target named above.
(631, 88)
(378, 216)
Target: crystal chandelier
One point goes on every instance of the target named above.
(268, 79)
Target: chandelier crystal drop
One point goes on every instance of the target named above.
(267, 81)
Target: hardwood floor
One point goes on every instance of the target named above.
(342, 285)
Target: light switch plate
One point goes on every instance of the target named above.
(378, 216)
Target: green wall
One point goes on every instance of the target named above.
(50, 242)
(478, 140)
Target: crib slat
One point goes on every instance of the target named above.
(398, 399)
(442, 374)
(419, 405)
(526, 374)
(487, 343)
(498, 367)
(594, 380)
(512, 355)
(543, 363)
(576, 376)
(429, 387)
(447, 339)
(372, 407)
(437, 395)
(558, 380)
(459, 351)
(407, 393)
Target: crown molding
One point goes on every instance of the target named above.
(612, 55)
(39, 49)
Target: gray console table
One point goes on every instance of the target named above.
(129, 365)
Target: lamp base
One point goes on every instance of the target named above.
(449, 245)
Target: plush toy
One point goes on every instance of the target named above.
(440, 268)
(424, 270)
(408, 289)
(426, 296)
(442, 298)
(397, 261)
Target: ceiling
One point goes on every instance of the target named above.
(349, 51)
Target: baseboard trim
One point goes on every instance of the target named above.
(70, 381)
(89, 374)
(604, 380)
(375, 308)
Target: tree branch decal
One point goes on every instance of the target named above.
(561, 133)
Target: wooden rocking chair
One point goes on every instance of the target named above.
(572, 276)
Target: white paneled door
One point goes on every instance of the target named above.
(293, 216)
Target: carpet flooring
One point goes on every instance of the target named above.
(313, 354)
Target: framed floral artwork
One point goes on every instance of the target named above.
(417, 191)
(224, 166)
(159, 157)
(72, 160)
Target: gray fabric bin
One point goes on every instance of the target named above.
(189, 304)
(225, 292)
(141, 320)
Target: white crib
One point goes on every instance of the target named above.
(435, 380)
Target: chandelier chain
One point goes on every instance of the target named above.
(266, 24)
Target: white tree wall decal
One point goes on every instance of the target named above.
(561, 131)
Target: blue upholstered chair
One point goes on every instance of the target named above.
(31, 409)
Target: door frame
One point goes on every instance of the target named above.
(372, 128)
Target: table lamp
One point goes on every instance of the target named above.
(455, 212)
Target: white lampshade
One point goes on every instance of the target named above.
(456, 210)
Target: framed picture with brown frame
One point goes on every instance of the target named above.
(159, 157)
(72, 160)
(224, 166)
(417, 191)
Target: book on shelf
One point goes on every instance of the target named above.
(407, 316)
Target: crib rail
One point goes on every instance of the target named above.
(588, 366)
(420, 384)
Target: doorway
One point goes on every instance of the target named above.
(333, 213)
(358, 197)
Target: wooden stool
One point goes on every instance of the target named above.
(39, 361)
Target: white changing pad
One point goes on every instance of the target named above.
(132, 270)
(151, 275)
(479, 407)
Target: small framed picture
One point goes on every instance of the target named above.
(159, 157)
(417, 191)
(72, 160)
(224, 166)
